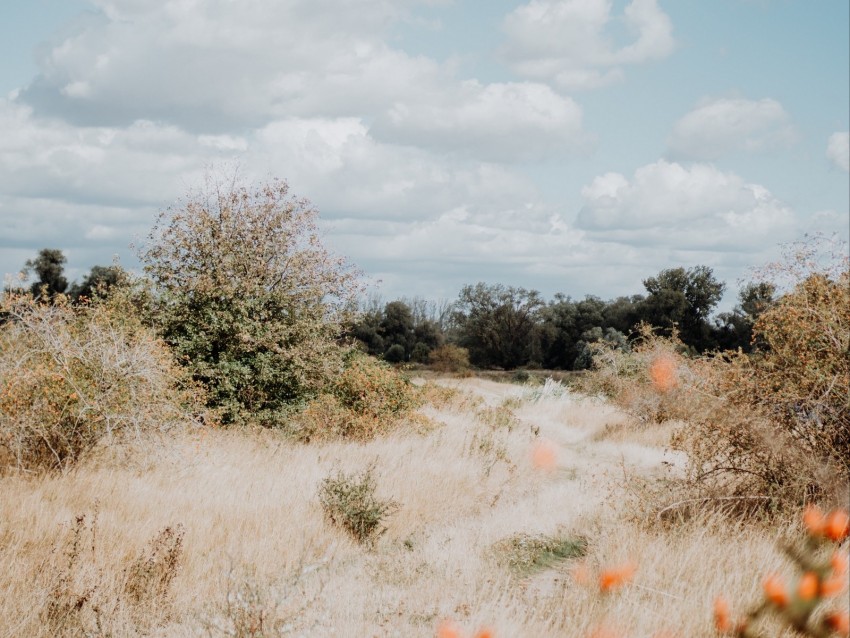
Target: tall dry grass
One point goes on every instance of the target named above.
(257, 556)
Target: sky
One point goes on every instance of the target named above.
(566, 146)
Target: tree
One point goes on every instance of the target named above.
(49, 266)
(496, 323)
(686, 298)
(99, 281)
(735, 329)
(396, 329)
(248, 297)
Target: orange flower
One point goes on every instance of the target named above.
(837, 526)
(839, 622)
(722, 619)
(544, 456)
(448, 629)
(662, 371)
(616, 577)
(807, 588)
(813, 520)
(484, 633)
(774, 590)
(839, 563)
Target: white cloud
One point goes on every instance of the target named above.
(571, 43)
(838, 150)
(695, 207)
(500, 121)
(720, 126)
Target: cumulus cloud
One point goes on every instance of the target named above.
(500, 121)
(207, 64)
(571, 42)
(720, 126)
(838, 150)
(687, 207)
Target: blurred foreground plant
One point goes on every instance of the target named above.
(823, 575)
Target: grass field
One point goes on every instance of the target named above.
(490, 490)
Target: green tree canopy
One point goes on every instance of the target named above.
(49, 267)
(249, 297)
(496, 323)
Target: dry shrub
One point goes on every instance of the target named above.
(451, 359)
(652, 381)
(349, 501)
(368, 398)
(71, 377)
(84, 600)
(775, 423)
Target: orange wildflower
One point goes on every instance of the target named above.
(722, 619)
(484, 633)
(813, 520)
(448, 629)
(807, 588)
(616, 577)
(774, 590)
(839, 622)
(544, 456)
(837, 526)
(662, 371)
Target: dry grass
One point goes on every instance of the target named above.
(258, 557)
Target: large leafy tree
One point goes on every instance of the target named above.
(248, 296)
(496, 323)
(686, 298)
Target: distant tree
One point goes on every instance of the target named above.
(396, 328)
(735, 329)
(563, 322)
(496, 323)
(98, 282)
(49, 267)
(367, 330)
(686, 298)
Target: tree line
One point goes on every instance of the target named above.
(510, 327)
(505, 326)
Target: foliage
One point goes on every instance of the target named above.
(71, 376)
(349, 501)
(99, 282)
(49, 266)
(249, 298)
(496, 323)
(823, 568)
(397, 333)
(684, 298)
(449, 358)
(367, 398)
(774, 423)
(527, 553)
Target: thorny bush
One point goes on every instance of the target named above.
(73, 376)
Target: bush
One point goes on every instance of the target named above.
(526, 554)
(71, 377)
(367, 398)
(449, 358)
(775, 423)
(249, 298)
(350, 502)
